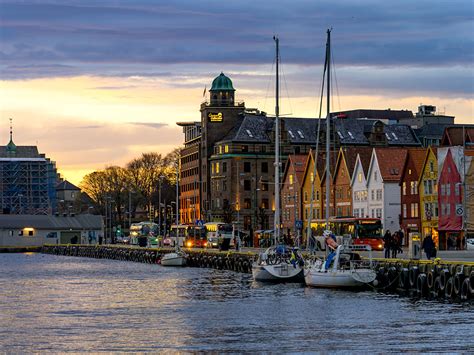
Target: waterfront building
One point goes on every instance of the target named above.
(410, 219)
(27, 180)
(382, 186)
(450, 197)
(360, 202)
(292, 183)
(229, 154)
(427, 115)
(469, 193)
(428, 191)
(36, 230)
(343, 173)
(311, 182)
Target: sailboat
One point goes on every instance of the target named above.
(178, 257)
(279, 263)
(343, 267)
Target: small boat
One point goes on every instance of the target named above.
(343, 268)
(279, 264)
(177, 258)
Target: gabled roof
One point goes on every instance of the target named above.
(429, 150)
(417, 155)
(319, 164)
(391, 161)
(454, 135)
(66, 185)
(298, 161)
(350, 156)
(21, 151)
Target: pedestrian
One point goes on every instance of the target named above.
(395, 244)
(387, 240)
(429, 247)
(401, 236)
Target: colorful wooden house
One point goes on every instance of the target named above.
(359, 184)
(450, 223)
(292, 183)
(382, 186)
(410, 220)
(311, 191)
(428, 191)
(344, 170)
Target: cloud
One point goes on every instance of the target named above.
(149, 124)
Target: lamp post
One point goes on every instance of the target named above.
(160, 181)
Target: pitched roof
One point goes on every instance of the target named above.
(377, 114)
(350, 155)
(66, 185)
(391, 162)
(417, 155)
(21, 151)
(298, 161)
(454, 135)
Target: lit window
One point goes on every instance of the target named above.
(291, 179)
(226, 149)
(359, 177)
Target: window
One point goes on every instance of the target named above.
(245, 148)
(224, 185)
(362, 212)
(312, 177)
(247, 203)
(404, 211)
(249, 133)
(414, 210)
(443, 190)
(457, 189)
(247, 185)
(412, 187)
(264, 167)
(431, 166)
(372, 213)
(224, 167)
(375, 176)
(448, 209)
(359, 177)
(379, 194)
(425, 186)
(372, 194)
(404, 188)
(220, 149)
(264, 185)
(218, 203)
(317, 196)
(409, 171)
(212, 168)
(356, 212)
(378, 213)
(247, 167)
(291, 179)
(448, 189)
(217, 168)
(264, 203)
(305, 196)
(226, 149)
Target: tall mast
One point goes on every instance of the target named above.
(328, 127)
(277, 148)
(177, 204)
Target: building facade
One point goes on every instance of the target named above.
(27, 180)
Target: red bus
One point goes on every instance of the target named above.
(358, 231)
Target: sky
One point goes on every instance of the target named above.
(97, 83)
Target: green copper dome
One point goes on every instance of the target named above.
(222, 83)
(11, 147)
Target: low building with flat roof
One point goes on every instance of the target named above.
(36, 230)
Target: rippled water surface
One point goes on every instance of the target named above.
(61, 304)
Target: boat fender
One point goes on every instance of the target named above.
(413, 276)
(465, 294)
(449, 289)
(421, 285)
(458, 280)
(444, 276)
(403, 281)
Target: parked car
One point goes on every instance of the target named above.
(470, 244)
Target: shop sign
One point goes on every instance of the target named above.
(215, 116)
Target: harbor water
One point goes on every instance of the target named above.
(54, 303)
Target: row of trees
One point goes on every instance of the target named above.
(136, 185)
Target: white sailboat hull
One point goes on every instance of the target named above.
(282, 272)
(339, 278)
(173, 259)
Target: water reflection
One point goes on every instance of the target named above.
(59, 304)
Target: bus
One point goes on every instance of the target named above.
(148, 230)
(350, 230)
(196, 237)
(216, 232)
(183, 232)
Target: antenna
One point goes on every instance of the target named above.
(11, 129)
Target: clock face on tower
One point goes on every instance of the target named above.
(215, 116)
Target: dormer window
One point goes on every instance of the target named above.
(395, 136)
(350, 135)
(291, 134)
(300, 134)
(340, 135)
(249, 133)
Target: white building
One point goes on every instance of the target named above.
(383, 190)
(36, 230)
(359, 185)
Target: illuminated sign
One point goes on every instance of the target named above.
(215, 116)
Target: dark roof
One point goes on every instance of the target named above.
(66, 185)
(21, 151)
(78, 222)
(454, 135)
(431, 130)
(376, 114)
(258, 129)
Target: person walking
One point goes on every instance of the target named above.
(387, 240)
(395, 244)
(428, 246)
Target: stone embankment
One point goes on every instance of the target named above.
(446, 280)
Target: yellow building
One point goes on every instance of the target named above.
(428, 192)
(310, 178)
